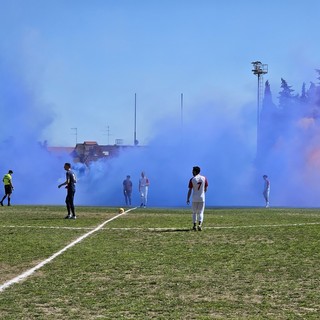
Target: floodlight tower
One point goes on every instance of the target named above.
(259, 69)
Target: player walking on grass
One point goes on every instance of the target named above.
(197, 187)
(127, 190)
(71, 189)
(143, 189)
(8, 187)
(266, 189)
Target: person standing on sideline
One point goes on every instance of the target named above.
(127, 190)
(143, 189)
(8, 187)
(266, 190)
(197, 187)
(71, 189)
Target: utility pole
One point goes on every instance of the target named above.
(76, 134)
(181, 105)
(135, 141)
(108, 134)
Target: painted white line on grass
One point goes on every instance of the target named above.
(267, 225)
(226, 227)
(46, 227)
(160, 229)
(41, 264)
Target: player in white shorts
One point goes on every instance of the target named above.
(143, 189)
(197, 187)
(266, 190)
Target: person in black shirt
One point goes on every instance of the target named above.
(71, 189)
(127, 190)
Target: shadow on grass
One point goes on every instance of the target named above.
(171, 230)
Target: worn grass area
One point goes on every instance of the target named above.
(248, 263)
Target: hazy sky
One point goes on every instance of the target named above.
(83, 60)
(78, 64)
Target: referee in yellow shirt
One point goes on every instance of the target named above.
(8, 187)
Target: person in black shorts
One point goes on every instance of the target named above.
(71, 189)
(8, 187)
(127, 190)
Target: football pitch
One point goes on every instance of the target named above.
(247, 263)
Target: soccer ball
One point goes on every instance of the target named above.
(121, 210)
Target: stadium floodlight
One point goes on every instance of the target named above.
(259, 69)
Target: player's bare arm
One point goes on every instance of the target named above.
(63, 184)
(188, 196)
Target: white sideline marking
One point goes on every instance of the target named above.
(41, 264)
(268, 225)
(46, 227)
(159, 229)
(228, 227)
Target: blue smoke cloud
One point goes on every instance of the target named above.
(23, 120)
(209, 138)
(215, 137)
(289, 150)
(212, 140)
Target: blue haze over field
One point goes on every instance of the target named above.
(82, 63)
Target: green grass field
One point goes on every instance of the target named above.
(247, 263)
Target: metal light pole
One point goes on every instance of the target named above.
(181, 107)
(259, 69)
(135, 141)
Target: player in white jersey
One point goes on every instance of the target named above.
(266, 190)
(143, 189)
(197, 187)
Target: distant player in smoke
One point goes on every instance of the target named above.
(71, 189)
(266, 190)
(197, 187)
(8, 187)
(143, 189)
(127, 190)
